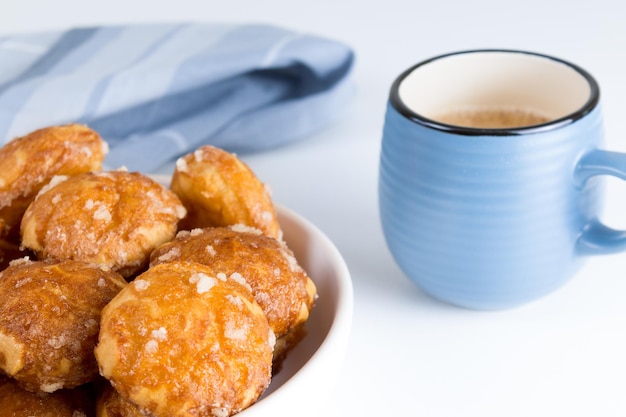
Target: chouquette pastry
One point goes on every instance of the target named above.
(185, 339)
(218, 189)
(29, 162)
(114, 219)
(17, 402)
(49, 321)
(279, 284)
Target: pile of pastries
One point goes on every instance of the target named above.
(120, 296)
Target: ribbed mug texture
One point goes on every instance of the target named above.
(486, 222)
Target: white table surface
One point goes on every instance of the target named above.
(564, 355)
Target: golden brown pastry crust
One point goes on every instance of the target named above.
(112, 218)
(279, 284)
(218, 189)
(28, 163)
(17, 402)
(186, 340)
(111, 404)
(49, 321)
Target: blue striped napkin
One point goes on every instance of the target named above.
(157, 91)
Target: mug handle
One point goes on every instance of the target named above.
(597, 238)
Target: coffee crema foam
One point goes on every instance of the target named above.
(492, 118)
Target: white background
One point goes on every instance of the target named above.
(564, 355)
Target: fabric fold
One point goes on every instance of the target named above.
(156, 91)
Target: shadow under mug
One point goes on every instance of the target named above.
(494, 217)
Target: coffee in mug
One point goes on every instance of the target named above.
(494, 118)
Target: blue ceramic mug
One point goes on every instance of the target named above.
(489, 185)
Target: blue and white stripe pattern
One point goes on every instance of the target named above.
(156, 91)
